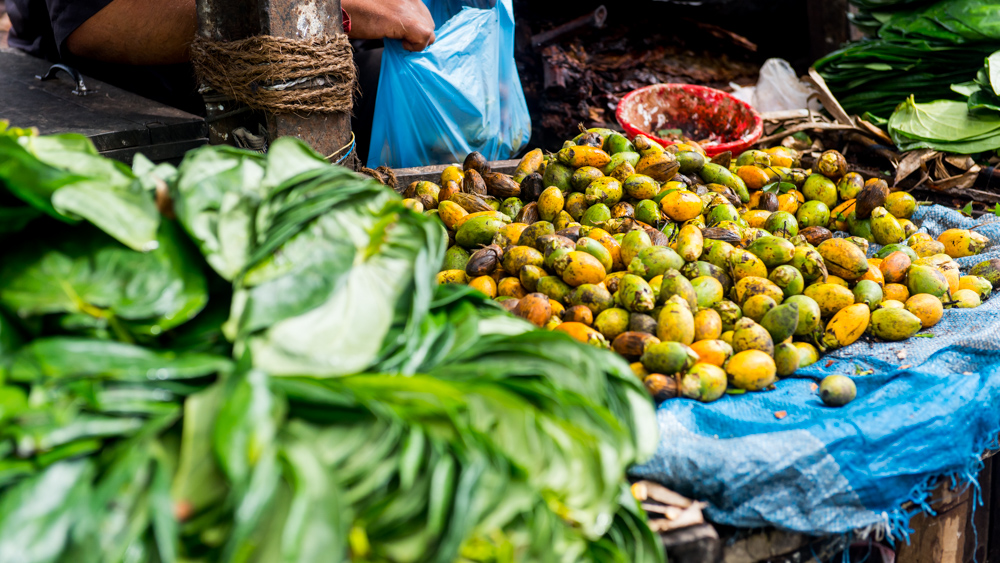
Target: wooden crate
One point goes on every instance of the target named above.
(948, 536)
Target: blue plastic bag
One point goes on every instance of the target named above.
(459, 95)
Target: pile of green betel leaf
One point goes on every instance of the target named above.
(969, 127)
(920, 49)
(983, 93)
(248, 359)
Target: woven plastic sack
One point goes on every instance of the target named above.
(459, 95)
(927, 410)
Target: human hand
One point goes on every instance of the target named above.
(406, 20)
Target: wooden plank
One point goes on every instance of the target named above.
(942, 538)
(762, 545)
(697, 544)
(992, 507)
(977, 543)
(828, 26)
(433, 173)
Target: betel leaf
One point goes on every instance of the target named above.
(945, 126)
(993, 72)
(37, 514)
(288, 157)
(967, 147)
(216, 195)
(32, 180)
(318, 523)
(247, 423)
(81, 271)
(982, 102)
(198, 483)
(965, 88)
(104, 191)
(218, 192)
(71, 358)
(353, 262)
(122, 493)
(941, 120)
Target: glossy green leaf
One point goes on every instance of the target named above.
(993, 71)
(246, 425)
(318, 524)
(198, 483)
(85, 272)
(965, 88)
(216, 196)
(71, 358)
(104, 192)
(941, 120)
(37, 514)
(984, 103)
(324, 301)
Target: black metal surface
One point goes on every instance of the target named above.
(81, 88)
(118, 122)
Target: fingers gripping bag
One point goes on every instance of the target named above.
(459, 95)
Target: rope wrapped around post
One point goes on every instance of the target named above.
(280, 75)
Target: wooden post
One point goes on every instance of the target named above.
(304, 19)
(228, 20)
(828, 26)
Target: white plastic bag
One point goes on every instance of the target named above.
(777, 89)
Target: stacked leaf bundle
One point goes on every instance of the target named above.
(919, 51)
(969, 127)
(705, 275)
(275, 376)
(983, 92)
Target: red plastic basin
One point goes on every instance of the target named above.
(696, 110)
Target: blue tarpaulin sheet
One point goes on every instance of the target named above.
(928, 410)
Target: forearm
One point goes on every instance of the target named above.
(406, 20)
(138, 32)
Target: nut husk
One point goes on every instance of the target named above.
(872, 195)
(661, 387)
(723, 159)
(474, 183)
(528, 214)
(501, 186)
(426, 200)
(816, 235)
(657, 237)
(623, 209)
(476, 161)
(572, 233)
(590, 140)
(724, 235)
(483, 261)
(510, 304)
(769, 202)
(632, 344)
(532, 187)
(449, 189)
(471, 202)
